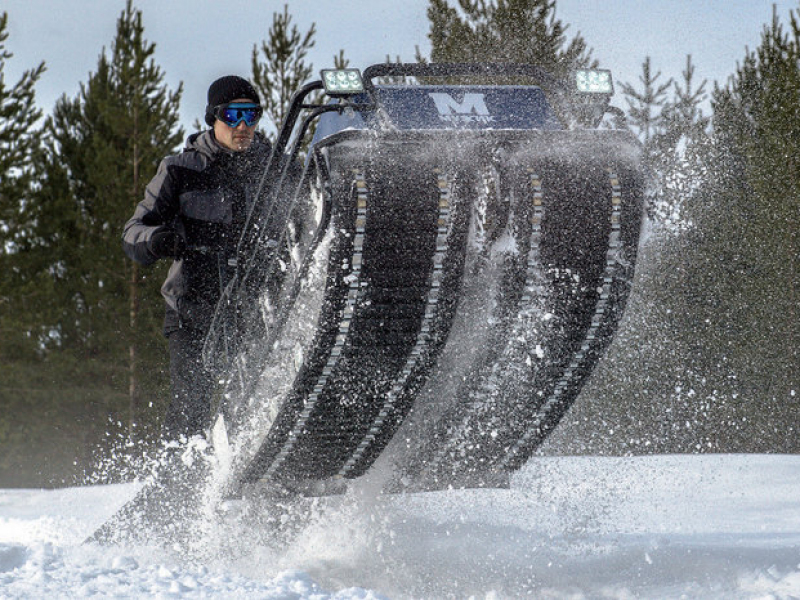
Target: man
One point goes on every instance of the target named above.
(193, 213)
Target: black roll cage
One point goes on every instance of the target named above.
(275, 173)
(261, 228)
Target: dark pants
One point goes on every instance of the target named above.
(189, 411)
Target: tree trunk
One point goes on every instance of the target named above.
(133, 392)
(133, 399)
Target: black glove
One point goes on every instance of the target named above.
(166, 243)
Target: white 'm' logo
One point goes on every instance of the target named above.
(471, 109)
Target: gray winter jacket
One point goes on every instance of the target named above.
(204, 194)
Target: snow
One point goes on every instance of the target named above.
(677, 526)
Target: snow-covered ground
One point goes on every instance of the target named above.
(714, 526)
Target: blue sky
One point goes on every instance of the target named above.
(199, 40)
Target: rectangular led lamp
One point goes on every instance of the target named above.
(342, 82)
(594, 81)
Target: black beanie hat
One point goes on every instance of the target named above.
(227, 89)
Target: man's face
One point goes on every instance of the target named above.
(236, 138)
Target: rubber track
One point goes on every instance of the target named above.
(510, 407)
(379, 330)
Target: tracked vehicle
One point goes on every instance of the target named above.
(449, 260)
(423, 287)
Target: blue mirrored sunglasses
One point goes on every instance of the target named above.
(234, 113)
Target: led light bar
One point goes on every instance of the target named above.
(594, 81)
(342, 82)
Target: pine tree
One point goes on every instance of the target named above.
(513, 31)
(646, 107)
(19, 141)
(684, 112)
(102, 149)
(18, 117)
(143, 119)
(756, 217)
(710, 345)
(734, 272)
(284, 68)
(680, 152)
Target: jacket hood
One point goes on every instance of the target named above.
(204, 143)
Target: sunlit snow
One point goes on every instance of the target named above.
(712, 526)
